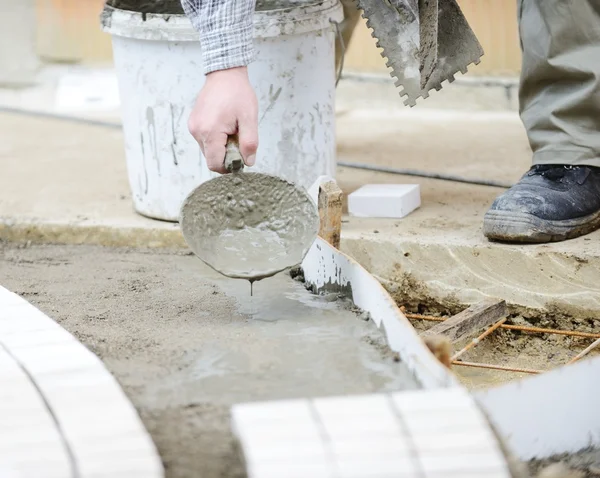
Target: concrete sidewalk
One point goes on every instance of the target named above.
(67, 183)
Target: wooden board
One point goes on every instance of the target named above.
(470, 321)
(330, 212)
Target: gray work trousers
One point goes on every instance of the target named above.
(559, 93)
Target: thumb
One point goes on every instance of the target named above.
(248, 134)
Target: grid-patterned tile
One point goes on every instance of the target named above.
(418, 434)
(50, 378)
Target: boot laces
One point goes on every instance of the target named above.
(553, 172)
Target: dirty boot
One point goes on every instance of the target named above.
(549, 203)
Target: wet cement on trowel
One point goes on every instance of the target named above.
(249, 225)
(186, 343)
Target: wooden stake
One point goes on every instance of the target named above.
(330, 213)
(470, 321)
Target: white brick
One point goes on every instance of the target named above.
(454, 441)
(443, 422)
(339, 428)
(56, 358)
(36, 338)
(292, 469)
(466, 462)
(23, 318)
(9, 298)
(34, 468)
(371, 445)
(384, 200)
(276, 433)
(124, 464)
(377, 467)
(256, 451)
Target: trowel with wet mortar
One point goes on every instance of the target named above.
(248, 225)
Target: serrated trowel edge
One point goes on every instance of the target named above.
(399, 40)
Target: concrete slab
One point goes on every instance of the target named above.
(67, 183)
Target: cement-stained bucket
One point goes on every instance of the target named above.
(159, 66)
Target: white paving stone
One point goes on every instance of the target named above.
(48, 377)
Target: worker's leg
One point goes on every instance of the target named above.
(351, 17)
(559, 95)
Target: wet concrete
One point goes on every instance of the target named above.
(186, 343)
(249, 225)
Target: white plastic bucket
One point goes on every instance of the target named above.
(160, 72)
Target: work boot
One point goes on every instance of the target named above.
(549, 203)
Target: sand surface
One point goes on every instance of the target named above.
(186, 343)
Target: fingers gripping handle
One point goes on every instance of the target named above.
(233, 158)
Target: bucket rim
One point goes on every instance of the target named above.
(177, 27)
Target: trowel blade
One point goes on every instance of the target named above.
(249, 225)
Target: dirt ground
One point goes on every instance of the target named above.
(185, 343)
(510, 348)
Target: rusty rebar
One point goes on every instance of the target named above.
(475, 341)
(496, 367)
(584, 352)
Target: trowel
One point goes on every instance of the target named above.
(248, 225)
(426, 42)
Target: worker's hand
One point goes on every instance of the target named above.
(226, 105)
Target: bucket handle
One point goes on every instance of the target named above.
(233, 158)
(338, 31)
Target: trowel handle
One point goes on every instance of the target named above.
(233, 158)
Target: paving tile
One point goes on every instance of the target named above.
(455, 440)
(376, 467)
(491, 461)
(10, 370)
(36, 338)
(23, 319)
(134, 441)
(371, 445)
(36, 469)
(124, 464)
(272, 435)
(374, 427)
(56, 358)
(444, 422)
(256, 451)
(41, 455)
(9, 298)
(93, 378)
(26, 437)
(78, 424)
(475, 474)
(292, 469)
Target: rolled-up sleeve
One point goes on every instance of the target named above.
(226, 30)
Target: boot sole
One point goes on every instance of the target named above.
(504, 226)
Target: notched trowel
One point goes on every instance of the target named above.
(248, 225)
(426, 42)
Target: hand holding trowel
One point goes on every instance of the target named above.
(248, 225)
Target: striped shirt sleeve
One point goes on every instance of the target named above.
(226, 30)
